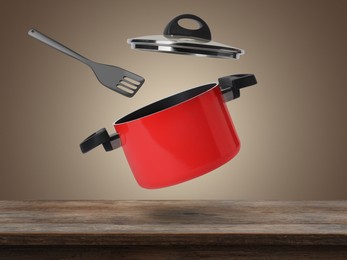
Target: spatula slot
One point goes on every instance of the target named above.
(125, 88)
(127, 84)
(131, 81)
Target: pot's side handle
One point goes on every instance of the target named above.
(101, 137)
(231, 85)
(113, 143)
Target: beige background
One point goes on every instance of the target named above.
(292, 126)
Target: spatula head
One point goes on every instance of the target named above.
(118, 79)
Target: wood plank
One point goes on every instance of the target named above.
(179, 223)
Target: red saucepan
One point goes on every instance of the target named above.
(180, 137)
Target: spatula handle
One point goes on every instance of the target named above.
(56, 45)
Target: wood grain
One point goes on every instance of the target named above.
(223, 228)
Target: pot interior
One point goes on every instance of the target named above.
(165, 103)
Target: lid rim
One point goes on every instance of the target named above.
(195, 47)
(189, 51)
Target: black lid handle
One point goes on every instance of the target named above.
(231, 85)
(100, 137)
(174, 29)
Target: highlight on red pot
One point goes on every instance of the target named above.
(179, 137)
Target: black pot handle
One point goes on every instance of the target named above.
(100, 137)
(231, 85)
(174, 29)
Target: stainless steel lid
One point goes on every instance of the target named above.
(179, 40)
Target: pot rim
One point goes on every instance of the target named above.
(124, 120)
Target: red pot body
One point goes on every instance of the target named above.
(181, 142)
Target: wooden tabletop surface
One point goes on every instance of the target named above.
(173, 223)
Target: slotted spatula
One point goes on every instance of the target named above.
(115, 78)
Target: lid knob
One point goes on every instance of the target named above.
(174, 29)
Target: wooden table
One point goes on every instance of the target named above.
(172, 229)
